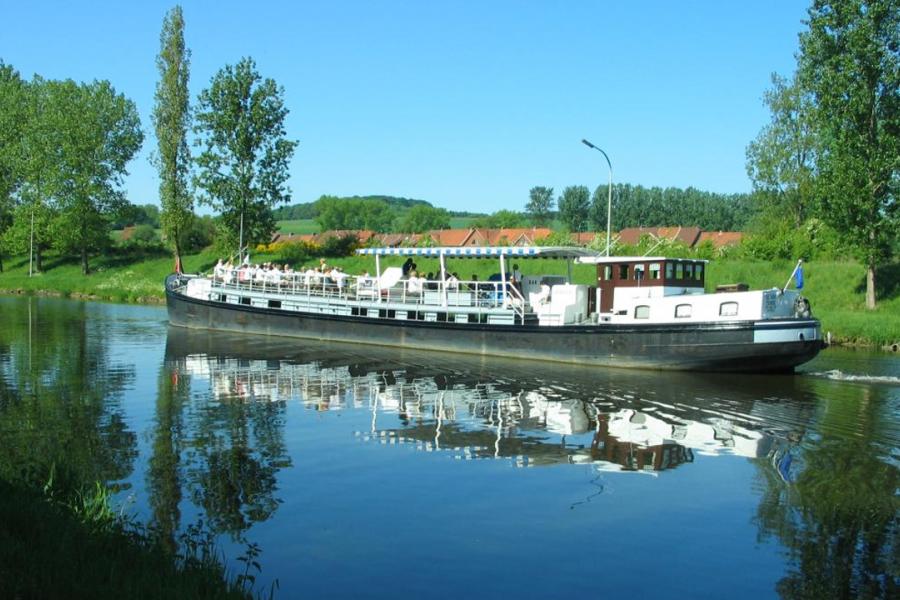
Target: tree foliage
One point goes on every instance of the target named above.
(419, 219)
(243, 168)
(639, 206)
(540, 205)
(94, 132)
(850, 63)
(335, 213)
(574, 207)
(13, 107)
(502, 219)
(781, 161)
(171, 119)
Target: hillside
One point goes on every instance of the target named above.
(307, 210)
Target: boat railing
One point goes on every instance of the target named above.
(449, 294)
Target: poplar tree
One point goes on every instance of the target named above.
(850, 62)
(172, 119)
(243, 168)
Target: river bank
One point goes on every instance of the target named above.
(835, 289)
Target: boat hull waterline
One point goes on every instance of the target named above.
(741, 346)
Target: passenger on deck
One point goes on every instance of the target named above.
(408, 266)
(452, 282)
(219, 271)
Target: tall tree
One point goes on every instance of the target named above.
(540, 205)
(171, 118)
(781, 161)
(12, 121)
(574, 207)
(244, 164)
(95, 133)
(850, 62)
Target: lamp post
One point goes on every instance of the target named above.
(609, 198)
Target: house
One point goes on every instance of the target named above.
(721, 239)
(688, 236)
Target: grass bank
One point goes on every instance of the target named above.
(835, 289)
(53, 549)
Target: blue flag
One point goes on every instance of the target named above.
(799, 277)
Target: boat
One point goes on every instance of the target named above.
(649, 312)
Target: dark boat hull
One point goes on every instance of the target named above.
(697, 346)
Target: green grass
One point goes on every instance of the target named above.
(83, 549)
(835, 289)
(298, 226)
(120, 276)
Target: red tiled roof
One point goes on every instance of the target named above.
(720, 239)
(686, 235)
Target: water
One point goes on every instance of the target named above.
(362, 471)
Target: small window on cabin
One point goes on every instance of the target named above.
(689, 271)
(679, 271)
(728, 309)
(669, 270)
(638, 272)
(642, 312)
(683, 311)
(623, 272)
(607, 273)
(245, 301)
(654, 270)
(698, 272)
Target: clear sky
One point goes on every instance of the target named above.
(466, 104)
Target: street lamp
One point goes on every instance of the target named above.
(609, 199)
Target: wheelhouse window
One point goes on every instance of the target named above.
(728, 309)
(698, 271)
(654, 270)
(669, 270)
(683, 311)
(679, 271)
(623, 272)
(689, 271)
(638, 272)
(607, 272)
(642, 312)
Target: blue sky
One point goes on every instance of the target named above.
(465, 104)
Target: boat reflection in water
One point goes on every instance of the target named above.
(491, 408)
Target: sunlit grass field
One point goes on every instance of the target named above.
(836, 290)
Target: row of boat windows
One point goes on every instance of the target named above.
(639, 272)
(441, 317)
(684, 311)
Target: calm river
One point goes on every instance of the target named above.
(371, 472)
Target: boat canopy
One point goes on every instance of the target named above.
(596, 259)
(567, 252)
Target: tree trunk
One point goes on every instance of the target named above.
(85, 268)
(870, 284)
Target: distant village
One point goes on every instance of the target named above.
(691, 237)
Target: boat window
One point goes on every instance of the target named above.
(669, 269)
(642, 312)
(683, 311)
(274, 303)
(654, 270)
(638, 272)
(698, 272)
(689, 271)
(623, 271)
(245, 301)
(728, 309)
(679, 271)
(607, 272)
